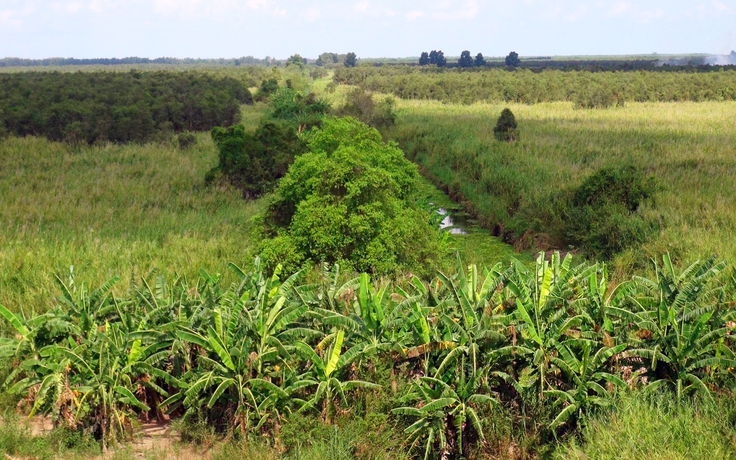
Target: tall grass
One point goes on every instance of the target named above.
(657, 428)
(112, 210)
(689, 147)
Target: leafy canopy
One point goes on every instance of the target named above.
(350, 199)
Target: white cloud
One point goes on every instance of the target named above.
(620, 8)
(12, 18)
(362, 7)
(451, 10)
(67, 7)
(413, 15)
(720, 6)
(312, 14)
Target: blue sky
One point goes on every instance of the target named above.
(370, 28)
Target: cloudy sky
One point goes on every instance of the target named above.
(370, 28)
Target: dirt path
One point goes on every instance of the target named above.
(154, 441)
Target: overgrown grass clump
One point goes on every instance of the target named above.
(658, 427)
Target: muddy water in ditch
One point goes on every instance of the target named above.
(450, 223)
(475, 244)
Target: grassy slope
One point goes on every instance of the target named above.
(113, 210)
(689, 147)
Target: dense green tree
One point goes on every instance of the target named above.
(351, 60)
(465, 59)
(512, 60)
(295, 60)
(437, 58)
(480, 60)
(424, 58)
(351, 199)
(267, 88)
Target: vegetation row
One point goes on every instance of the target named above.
(117, 107)
(447, 358)
(584, 89)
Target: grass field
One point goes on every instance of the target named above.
(690, 148)
(124, 211)
(113, 210)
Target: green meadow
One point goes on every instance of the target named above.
(689, 148)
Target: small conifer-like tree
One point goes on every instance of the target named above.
(506, 129)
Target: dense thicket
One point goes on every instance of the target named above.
(585, 89)
(467, 358)
(117, 107)
(253, 162)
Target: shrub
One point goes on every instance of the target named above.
(186, 139)
(506, 128)
(267, 88)
(300, 110)
(253, 162)
(360, 105)
(351, 199)
(601, 217)
(625, 185)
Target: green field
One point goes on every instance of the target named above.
(531, 360)
(690, 148)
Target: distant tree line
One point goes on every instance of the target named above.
(584, 89)
(117, 107)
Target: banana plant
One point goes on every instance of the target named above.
(325, 375)
(684, 326)
(586, 377)
(375, 322)
(544, 313)
(442, 411)
(471, 322)
(92, 382)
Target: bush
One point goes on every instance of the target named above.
(186, 139)
(253, 162)
(351, 200)
(360, 105)
(625, 185)
(601, 218)
(506, 129)
(301, 110)
(267, 88)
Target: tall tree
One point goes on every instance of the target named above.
(465, 59)
(480, 60)
(296, 60)
(437, 58)
(351, 60)
(512, 59)
(424, 58)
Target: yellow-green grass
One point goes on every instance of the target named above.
(689, 147)
(112, 210)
